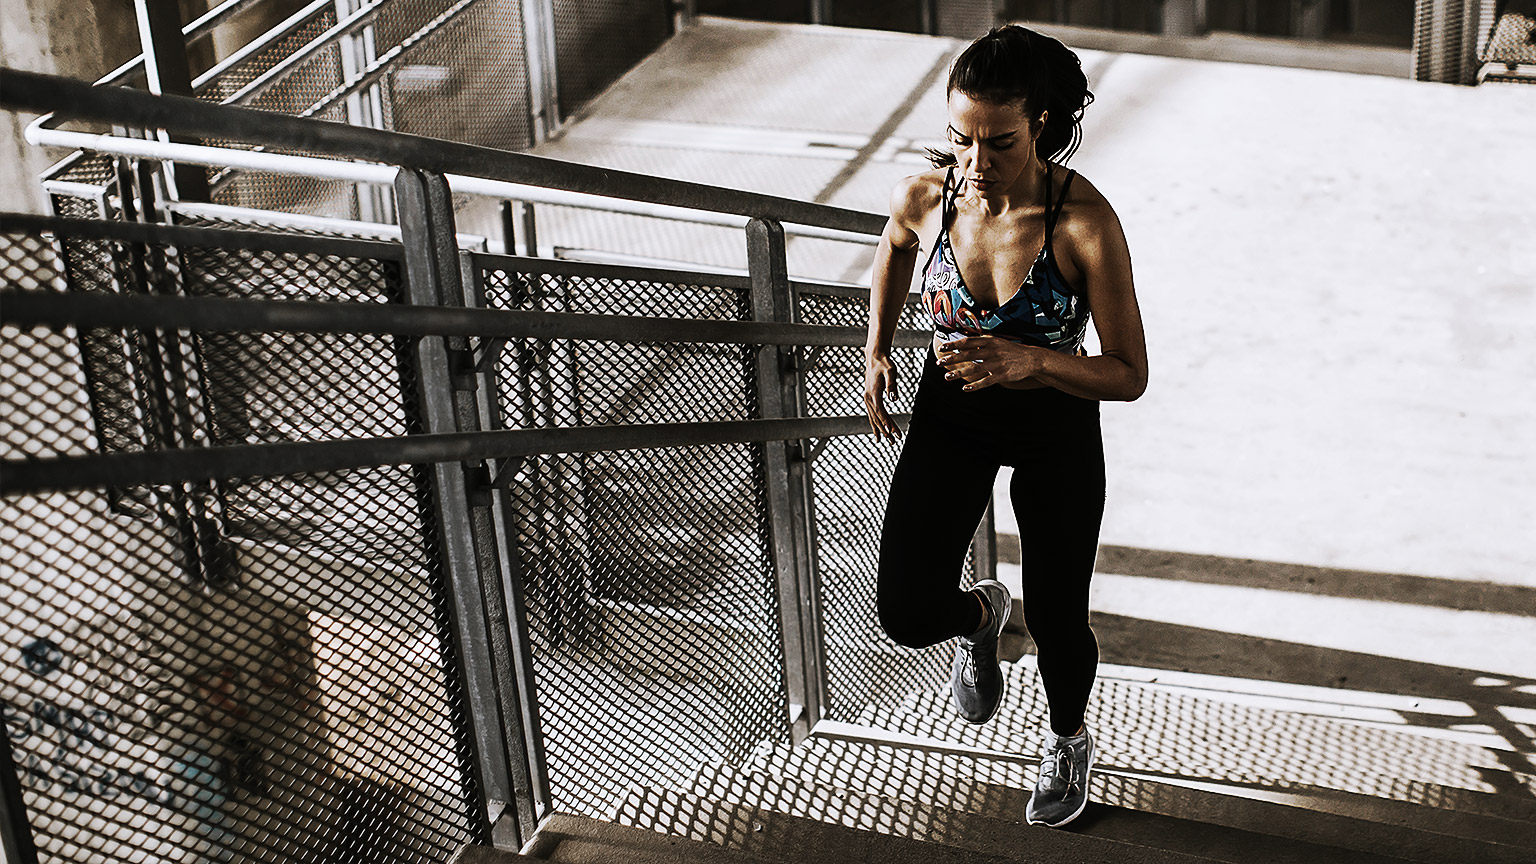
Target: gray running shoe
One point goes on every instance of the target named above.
(1061, 793)
(976, 681)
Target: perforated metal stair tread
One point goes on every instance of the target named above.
(997, 788)
(1003, 830)
(487, 855)
(781, 836)
(1229, 763)
(570, 839)
(1239, 744)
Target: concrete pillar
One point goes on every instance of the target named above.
(1309, 19)
(84, 39)
(1183, 18)
(966, 19)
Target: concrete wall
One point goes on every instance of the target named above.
(84, 39)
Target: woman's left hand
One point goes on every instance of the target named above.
(981, 361)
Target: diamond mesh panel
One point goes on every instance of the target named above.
(467, 81)
(647, 574)
(313, 196)
(596, 41)
(607, 291)
(849, 479)
(295, 92)
(1512, 40)
(563, 382)
(651, 606)
(251, 669)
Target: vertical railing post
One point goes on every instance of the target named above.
(16, 841)
(543, 77)
(448, 404)
(985, 544)
(502, 573)
(168, 71)
(787, 479)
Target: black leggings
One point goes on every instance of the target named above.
(953, 448)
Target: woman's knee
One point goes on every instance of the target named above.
(906, 622)
(1056, 629)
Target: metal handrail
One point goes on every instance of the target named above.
(346, 27)
(383, 175)
(223, 314)
(30, 91)
(194, 32)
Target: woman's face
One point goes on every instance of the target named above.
(992, 143)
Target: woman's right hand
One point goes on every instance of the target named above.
(879, 382)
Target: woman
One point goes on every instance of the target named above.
(1006, 383)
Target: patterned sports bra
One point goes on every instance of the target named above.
(1045, 311)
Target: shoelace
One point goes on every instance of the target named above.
(972, 671)
(1059, 756)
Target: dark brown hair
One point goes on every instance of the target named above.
(1015, 65)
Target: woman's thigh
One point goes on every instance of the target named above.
(1058, 502)
(939, 492)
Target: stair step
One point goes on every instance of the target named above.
(1164, 837)
(487, 855)
(774, 836)
(569, 839)
(996, 787)
(1227, 762)
(1222, 741)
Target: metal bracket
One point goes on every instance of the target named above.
(476, 360)
(804, 358)
(807, 449)
(481, 479)
(507, 469)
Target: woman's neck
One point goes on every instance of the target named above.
(1025, 191)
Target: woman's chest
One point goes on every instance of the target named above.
(994, 259)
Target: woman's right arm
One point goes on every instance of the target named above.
(895, 258)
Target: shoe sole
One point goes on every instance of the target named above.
(1002, 680)
(1087, 776)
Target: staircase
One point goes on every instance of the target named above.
(1182, 775)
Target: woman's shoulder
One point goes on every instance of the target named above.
(1085, 210)
(1088, 229)
(916, 196)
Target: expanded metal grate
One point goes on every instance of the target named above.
(850, 478)
(596, 41)
(647, 574)
(272, 667)
(253, 668)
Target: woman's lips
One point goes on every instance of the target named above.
(980, 185)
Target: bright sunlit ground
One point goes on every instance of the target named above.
(1336, 276)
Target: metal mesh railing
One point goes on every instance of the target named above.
(326, 548)
(649, 583)
(451, 69)
(849, 477)
(219, 660)
(1510, 50)
(240, 668)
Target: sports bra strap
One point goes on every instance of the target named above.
(947, 195)
(1050, 222)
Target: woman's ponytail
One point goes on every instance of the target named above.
(1012, 64)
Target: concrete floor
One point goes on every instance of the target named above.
(1335, 272)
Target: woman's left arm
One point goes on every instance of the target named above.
(1119, 371)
